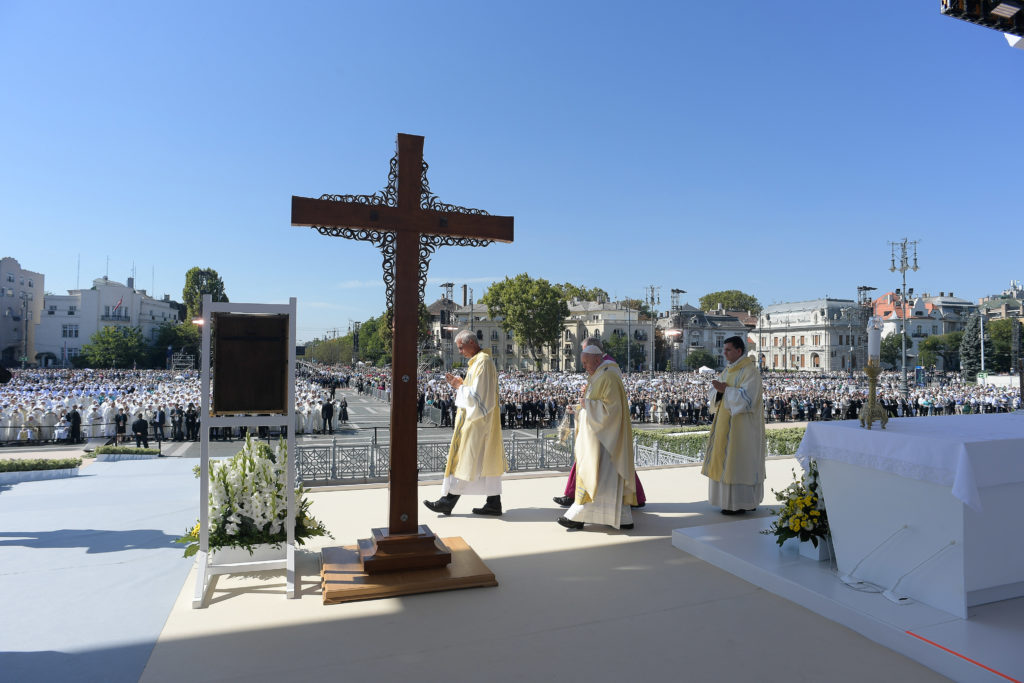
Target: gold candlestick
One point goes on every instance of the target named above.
(872, 410)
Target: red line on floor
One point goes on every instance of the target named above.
(954, 652)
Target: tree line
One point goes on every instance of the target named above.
(959, 351)
(532, 310)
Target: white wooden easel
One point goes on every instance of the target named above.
(205, 570)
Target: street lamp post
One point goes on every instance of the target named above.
(905, 246)
(24, 320)
(629, 338)
(785, 348)
(355, 341)
(652, 295)
(446, 340)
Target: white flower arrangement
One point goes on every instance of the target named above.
(249, 504)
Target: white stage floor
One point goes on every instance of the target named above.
(988, 646)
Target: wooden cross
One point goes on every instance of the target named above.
(408, 223)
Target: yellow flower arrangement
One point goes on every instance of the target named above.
(802, 514)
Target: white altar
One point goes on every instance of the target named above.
(928, 509)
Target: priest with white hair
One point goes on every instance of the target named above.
(605, 475)
(476, 457)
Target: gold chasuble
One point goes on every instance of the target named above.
(736, 446)
(604, 423)
(476, 449)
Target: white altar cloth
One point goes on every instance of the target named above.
(964, 452)
(928, 508)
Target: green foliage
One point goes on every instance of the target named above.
(784, 441)
(200, 281)
(891, 352)
(114, 346)
(330, 351)
(639, 307)
(998, 344)
(970, 349)
(33, 464)
(802, 514)
(532, 309)
(615, 346)
(423, 331)
(569, 291)
(179, 336)
(731, 299)
(675, 440)
(375, 341)
(125, 450)
(699, 357)
(945, 347)
(662, 352)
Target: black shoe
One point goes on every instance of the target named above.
(492, 507)
(564, 501)
(626, 526)
(733, 512)
(442, 505)
(639, 505)
(569, 524)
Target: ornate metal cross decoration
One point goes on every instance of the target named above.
(407, 223)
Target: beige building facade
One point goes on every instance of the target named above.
(818, 335)
(21, 304)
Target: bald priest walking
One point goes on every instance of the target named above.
(734, 461)
(476, 457)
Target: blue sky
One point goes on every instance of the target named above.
(770, 147)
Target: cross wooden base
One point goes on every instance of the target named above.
(387, 552)
(343, 578)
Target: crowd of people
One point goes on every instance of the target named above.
(529, 400)
(106, 406)
(76, 405)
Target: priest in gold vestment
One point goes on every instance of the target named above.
(605, 478)
(734, 461)
(476, 457)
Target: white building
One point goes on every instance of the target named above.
(21, 302)
(689, 329)
(820, 335)
(69, 321)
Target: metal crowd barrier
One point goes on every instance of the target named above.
(654, 456)
(380, 394)
(432, 413)
(368, 461)
(349, 463)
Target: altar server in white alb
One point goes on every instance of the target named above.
(734, 461)
(476, 457)
(605, 477)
